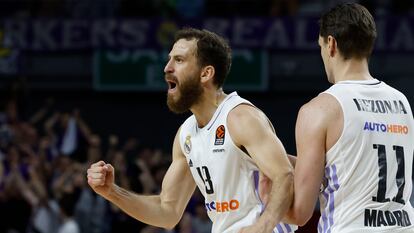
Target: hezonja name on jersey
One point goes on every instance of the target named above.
(223, 206)
(380, 106)
(380, 218)
(390, 128)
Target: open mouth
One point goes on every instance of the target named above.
(172, 86)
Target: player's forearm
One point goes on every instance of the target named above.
(147, 209)
(301, 209)
(280, 199)
(303, 203)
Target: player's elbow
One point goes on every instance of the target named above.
(298, 216)
(169, 224)
(172, 220)
(301, 221)
(169, 227)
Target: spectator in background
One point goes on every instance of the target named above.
(50, 167)
(88, 205)
(132, 172)
(66, 205)
(94, 149)
(64, 175)
(200, 221)
(70, 135)
(119, 162)
(21, 190)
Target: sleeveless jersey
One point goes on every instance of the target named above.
(226, 176)
(367, 182)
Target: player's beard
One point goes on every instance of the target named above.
(188, 93)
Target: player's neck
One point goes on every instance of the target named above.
(205, 109)
(352, 69)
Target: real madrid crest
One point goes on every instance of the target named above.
(187, 144)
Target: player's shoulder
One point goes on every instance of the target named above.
(396, 91)
(189, 122)
(323, 106)
(186, 127)
(246, 119)
(323, 102)
(244, 113)
(245, 122)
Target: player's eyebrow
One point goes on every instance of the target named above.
(175, 56)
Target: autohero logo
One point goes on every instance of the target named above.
(385, 128)
(224, 206)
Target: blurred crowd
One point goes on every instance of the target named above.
(43, 161)
(188, 9)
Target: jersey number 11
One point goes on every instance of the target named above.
(382, 174)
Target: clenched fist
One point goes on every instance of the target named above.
(101, 178)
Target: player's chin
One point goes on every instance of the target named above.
(173, 96)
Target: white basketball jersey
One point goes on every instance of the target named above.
(368, 171)
(225, 175)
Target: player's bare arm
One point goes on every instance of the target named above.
(313, 139)
(163, 210)
(250, 131)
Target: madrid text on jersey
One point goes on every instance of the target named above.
(380, 218)
(381, 106)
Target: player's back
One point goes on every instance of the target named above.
(368, 171)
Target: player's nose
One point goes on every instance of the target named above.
(168, 67)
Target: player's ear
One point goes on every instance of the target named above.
(332, 46)
(207, 73)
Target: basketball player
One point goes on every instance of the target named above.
(220, 148)
(355, 140)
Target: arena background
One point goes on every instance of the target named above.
(87, 76)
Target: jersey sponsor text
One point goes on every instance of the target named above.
(386, 128)
(223, 206)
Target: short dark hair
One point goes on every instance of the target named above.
(212, 50)
(353, 28)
